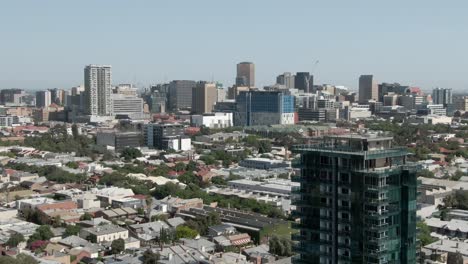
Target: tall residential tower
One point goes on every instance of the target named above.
(356, 202)
(98, 89)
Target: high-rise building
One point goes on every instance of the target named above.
(98, 89)
(245, 74)
(462, 103)
(286, 79)
(12, 96)
(442, 96)
(180, 94)
(304, 81)
(392, 88)
(264, 108)
(204, 97)
(356, 202)
(43, 98)
(128, 105)
(368, 88)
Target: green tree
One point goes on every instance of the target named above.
(424, 234)
(281, 246)
(149, 257)
(72, 164)
(20, 259)
(183, 231)
(72, 230)
(25, 259)
(117, 246)
(15, 239)
(42, 233)
(86, 217)
(130, 153)
(180, 166)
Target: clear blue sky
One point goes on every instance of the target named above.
(45, 44)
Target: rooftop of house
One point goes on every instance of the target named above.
(104, 230)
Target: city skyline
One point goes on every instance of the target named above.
(418, 45)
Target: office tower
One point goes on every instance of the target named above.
(43, 98)
(11, 96)
(126, 89)
(204, 97)
(77, 90)
(286, 79)
(245, 74)
(180, 94)
(304, 81)
(157, 102)
(462, 103)
(220, 94)
(356, 201)
(368, 89)
(118, 140)
(166, 136)
(395, 88)
(442, 96)
(127, 105)
(98, 89)
(390, 99)
(264, 108)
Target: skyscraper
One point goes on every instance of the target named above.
(43, 98)
(98, 89)
(368, 88)
(264, 108)
(245, 74)
(356, 201)
(442, 96)
(304, 81)
(180, 94)
(286, 79)
(204, 97)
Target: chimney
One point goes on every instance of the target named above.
(170, 256)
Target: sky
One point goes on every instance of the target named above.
(46, 44)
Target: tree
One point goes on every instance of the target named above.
(281, 246)
(20, 259)
(86, 217)
(425, 173)
(56, 221)
(15, 239)
(424, 234)
(130, 153)
(183, 231)
(117, 246)
(149, 257)
(72, 230)
(72, 164)
(42, 233)
(180, 166)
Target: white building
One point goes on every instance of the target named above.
(104, 233)
(98, 89)
(126, 105)
(214, 120)
(359, 112)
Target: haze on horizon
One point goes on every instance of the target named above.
(46, 44)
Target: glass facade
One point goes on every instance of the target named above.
(356, 202)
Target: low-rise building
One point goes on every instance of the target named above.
(213, 120)
(264, 164)
(104, 233)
